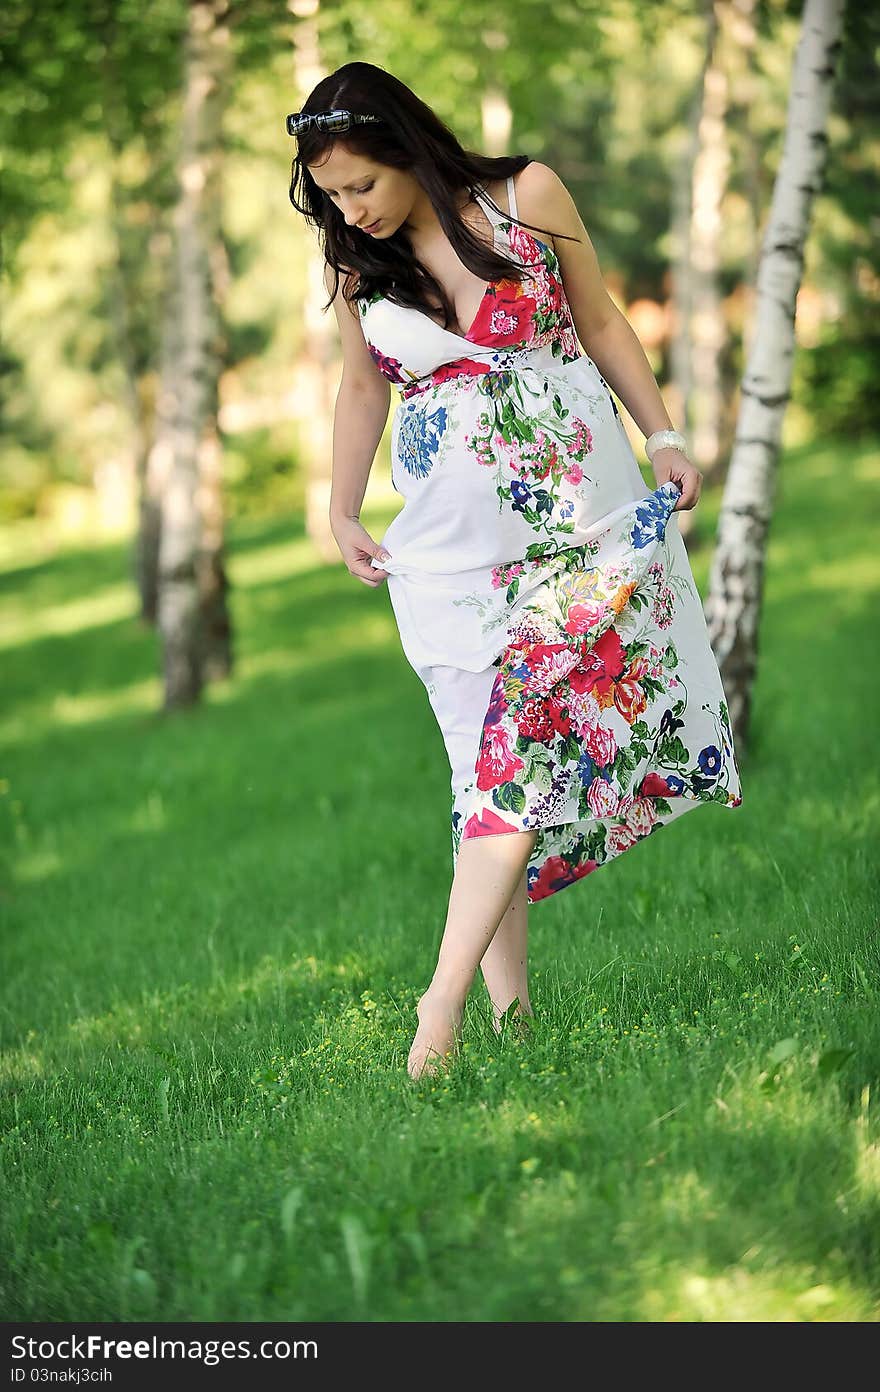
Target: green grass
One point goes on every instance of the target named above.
(216, 926)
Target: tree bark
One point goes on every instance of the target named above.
(184, 461)
(683, 287)
(736, 583)
(318, 364)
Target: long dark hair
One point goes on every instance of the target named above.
(411, 137)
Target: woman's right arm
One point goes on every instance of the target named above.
(358, 422)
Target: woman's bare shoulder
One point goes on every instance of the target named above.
(541, 197)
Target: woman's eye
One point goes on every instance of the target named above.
(357, 191)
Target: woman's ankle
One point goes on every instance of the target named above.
(445, 995)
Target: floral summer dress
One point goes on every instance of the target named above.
(542, 591)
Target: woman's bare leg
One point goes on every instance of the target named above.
(487, 871)
(505, 961)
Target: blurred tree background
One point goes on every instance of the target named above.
(622, 99)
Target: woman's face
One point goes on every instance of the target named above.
(368, 194)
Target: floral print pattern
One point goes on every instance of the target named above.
(541, 592)
(567, 685)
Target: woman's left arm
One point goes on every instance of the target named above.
(606, 334)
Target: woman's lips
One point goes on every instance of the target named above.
(373, 225)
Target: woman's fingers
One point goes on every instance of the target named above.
(690, 492)
(362, 570)
(689, 481)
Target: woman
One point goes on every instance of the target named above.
(540, 592)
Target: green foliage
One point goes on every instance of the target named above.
(89, 115)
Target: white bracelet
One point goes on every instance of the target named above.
(665, 439)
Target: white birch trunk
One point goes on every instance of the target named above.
(736, 583)
(184, 458)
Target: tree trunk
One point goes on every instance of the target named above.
(122, 290)
(736, 582)
(184, 466)
(319, 361)
(708, 327)
(683, 288)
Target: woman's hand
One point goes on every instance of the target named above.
(671, 464)
(357, 547)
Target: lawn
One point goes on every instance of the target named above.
(216, 926)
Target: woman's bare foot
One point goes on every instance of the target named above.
(436, 1037)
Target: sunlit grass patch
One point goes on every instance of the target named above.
(217, 926)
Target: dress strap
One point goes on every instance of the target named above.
(483, 199)
(511, 196)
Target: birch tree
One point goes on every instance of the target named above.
(185, 457)
(733, 604)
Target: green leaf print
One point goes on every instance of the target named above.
(510, 797)
(570, 750)
(651, 686)
(670, 750)
(623, 768)
(540, 775)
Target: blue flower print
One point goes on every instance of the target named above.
(652, 516)
(586, 769)
(419, 438)
(521, 494)
(669, 723)
(709, 759)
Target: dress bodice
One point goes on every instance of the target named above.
(408, 346)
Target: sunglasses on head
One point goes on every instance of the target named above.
(333, 121)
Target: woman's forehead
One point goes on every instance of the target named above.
(341, 169)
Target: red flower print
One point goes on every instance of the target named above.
(618, 839)
(558, 715)
(462, 367)
(533, 721)
(601, 745)
(488, 823)
(556, 873)
(655, 786)
(505, 315)
(523, 245)
(603, 800)
(583, 617)
(641, 816)
(630, 700)
(389, 367)
(496, 762)
(600, 667)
